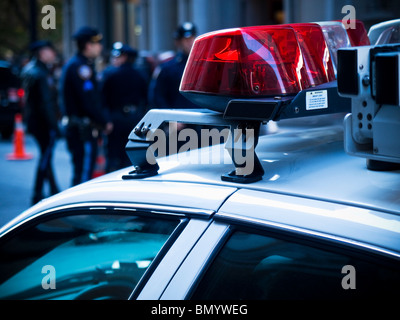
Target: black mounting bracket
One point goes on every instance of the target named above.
(240, 144)
(243, 117)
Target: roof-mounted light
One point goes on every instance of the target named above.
(336, 38)
(249, 76)
(263, 61)
(385, 32)
(358, 35)
(319, 64)
(256, 74)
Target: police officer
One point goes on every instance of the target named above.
(81, 103)
(124, 93)
(41, 112)
(167, 77)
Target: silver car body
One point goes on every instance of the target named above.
(310, 187)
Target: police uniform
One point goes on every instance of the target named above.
(81, 104)
(167, 77)
(41, 113)
(124, 94)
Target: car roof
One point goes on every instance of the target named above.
(189, 199)
(305, 158)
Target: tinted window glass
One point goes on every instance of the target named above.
(81, 257)
(253, 266)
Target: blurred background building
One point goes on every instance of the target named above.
(148, 25)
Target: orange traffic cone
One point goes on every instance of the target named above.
(100, 166)
(19, 142)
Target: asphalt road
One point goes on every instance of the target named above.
(17, 176)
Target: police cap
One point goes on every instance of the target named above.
(37, 45)
(119, 48)
(88, 34)
(185, 30)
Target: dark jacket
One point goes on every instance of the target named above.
(166, 84)
(124, 86)
(80, 92)
(124, 96)
(41, 110)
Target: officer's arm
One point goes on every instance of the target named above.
(143, 99)
(104, 89)
(47, 105)
(161, 90)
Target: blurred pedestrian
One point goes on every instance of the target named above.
(81, 103)
(167, 77)
(164, 87)
(124, 93)
(41, 112)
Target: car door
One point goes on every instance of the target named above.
(270, 246)
(95, 251)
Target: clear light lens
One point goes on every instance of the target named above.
(335, 37)
(390, 35)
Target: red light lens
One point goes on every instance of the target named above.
(258, 61)
(245, 62)
(319, 64)
(359, 35)
(21, 93)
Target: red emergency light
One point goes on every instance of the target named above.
(358, 36)
(21, 93)
(263, 61)
(319, 64)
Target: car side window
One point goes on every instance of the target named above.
(255, 266)
(81, 256)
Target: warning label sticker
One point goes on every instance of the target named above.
(316, 100)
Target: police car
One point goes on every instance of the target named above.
(309, 211)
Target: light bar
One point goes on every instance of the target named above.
(336, 38)
(385, 32)
(319, 64)
(358, 36)
(264, 61)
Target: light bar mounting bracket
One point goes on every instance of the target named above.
(239, 116)
(141, 138)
